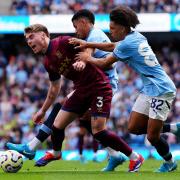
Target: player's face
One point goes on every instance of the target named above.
(116, 31)
(36, 41)
(81, 28)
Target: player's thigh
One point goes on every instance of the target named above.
(77, 101)
(64, 118)
(140, 113)
(86, 116)
(98, 124)
(138, 122)
(82, 130)
(85, 125)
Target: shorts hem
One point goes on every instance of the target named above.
(100, 115)
(71, 110)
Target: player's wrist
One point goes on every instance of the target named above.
(89, 59)
(43, 111)
(88, 45)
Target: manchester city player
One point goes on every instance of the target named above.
(154, 101)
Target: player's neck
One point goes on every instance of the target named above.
(124, 35)
(89, 29)
(46, 44)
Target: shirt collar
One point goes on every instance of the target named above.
(89, 33)
(49, 48)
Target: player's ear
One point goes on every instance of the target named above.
(82, 20)
(43, 35)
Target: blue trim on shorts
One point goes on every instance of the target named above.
(100, 115)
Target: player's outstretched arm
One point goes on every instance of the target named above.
(102, 46)
(81, 44)
(100, 62)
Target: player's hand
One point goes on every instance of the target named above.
(83, 56)
(38, 117)
(79, 43)
(79, 65)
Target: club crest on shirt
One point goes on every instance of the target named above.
(58, 54)
(63, 69)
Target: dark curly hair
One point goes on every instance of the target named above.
(124, 16)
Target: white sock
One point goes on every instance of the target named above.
(34, 143)
(133, 156)
(95, 154)
(112, 152)
(173, 127)
(55, 153)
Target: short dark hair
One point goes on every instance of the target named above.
(37, 28)
(124, 16)
(84, 13)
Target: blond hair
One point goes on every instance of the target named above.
(37, 28)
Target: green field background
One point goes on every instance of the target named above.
(74, 170)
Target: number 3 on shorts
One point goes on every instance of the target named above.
(99, 101)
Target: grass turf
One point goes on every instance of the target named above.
(74, 170)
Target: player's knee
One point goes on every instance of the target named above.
(133, 130)
(99, 136)
(97, 127)
(97, 130)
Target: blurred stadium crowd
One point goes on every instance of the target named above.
(24, 85)
(24, 7)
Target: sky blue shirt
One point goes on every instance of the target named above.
(97, 35)
(136, 52)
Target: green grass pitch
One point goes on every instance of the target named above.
(74, 170)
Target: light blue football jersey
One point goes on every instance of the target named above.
(97, 35)
(136, 52)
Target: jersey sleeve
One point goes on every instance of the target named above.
(97, 39)
(97, 35)
(69, 49)
(52, 75)
(122, 51)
